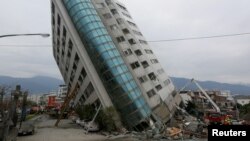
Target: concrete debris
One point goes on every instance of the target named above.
(172, 131)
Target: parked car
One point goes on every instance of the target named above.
(74, 118)
(91, 126)
(236, 122)
(27, 128)
(1, 118)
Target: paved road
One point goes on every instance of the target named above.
(67, 131)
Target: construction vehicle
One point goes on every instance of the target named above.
(210, 117)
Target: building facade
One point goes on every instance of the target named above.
(101, 52)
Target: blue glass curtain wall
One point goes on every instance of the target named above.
(124, 92)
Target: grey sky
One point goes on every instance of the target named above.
(221, 59)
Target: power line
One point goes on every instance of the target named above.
(164, 40)
(202, 37)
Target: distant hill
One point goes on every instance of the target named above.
(43, 84)
(212, 85)
(38, 84)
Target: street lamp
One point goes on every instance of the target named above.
(44, 35)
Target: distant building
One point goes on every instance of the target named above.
(222, 99)
(34, 98)
(101, 52)
(243, 101)
(186, 96)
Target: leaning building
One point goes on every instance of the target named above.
(101, 52)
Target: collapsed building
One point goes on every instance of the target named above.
(101, 52)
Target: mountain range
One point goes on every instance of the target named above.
(235, 89)
(44, 84)
(35, 85)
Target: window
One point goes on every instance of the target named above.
(63, 53)
(58, 20)
(64, 32)
(131, 23)
(122, 7)
(158, 87)
(58, 43)
(70, 46)
(135, 65)
(120, 39)
(151, 93)
(160, 71)
(83, 73)
(127, 15)
(132, 41)
(137, 32)
(89, 90)
(113, 27)
(148, 51)
(72, 75)
(53, 20)
(108, 2)
(167, 82)
(143, 42)
(120, 21)
(58, 31)
(145, 64)
(80, 79)
(69, 54)
(76, 59)
(64, 36)
(138, 52)
(107, 16)
(143, 79)
(154, 61)
(114, 11)
(128, 52)
(152, 76)
(74, 67)
(53, 8)
(100, 5)
(125, 31)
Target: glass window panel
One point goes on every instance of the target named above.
(120, 60)
(143, 112)
(129, 86)
(137, 92)
(133, 94)
(129, 76)
(124, 68)
(119, 69)
(115, 61)
(125, 88)
(114, 71)
(119, 79)
(116, 53)
(101, 49)
(124, 77)
(111, 54)
(133, 84)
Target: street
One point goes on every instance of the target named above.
(66, 131)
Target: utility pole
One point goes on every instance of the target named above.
(1, 99)
(23, 115)
(13, 115)
(2, 114)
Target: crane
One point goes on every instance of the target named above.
(70, 95)
(213, 117)
(203, 91)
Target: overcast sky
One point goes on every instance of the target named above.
(218, 59)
